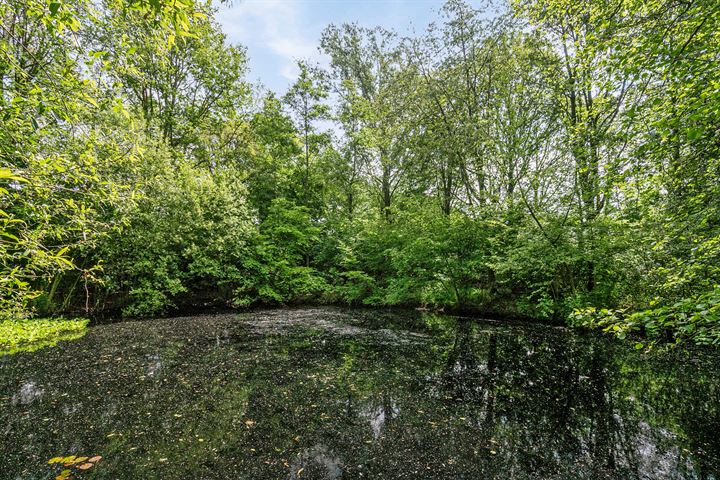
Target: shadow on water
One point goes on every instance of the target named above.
(330, 393)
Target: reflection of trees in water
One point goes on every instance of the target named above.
(551, 405)
(701, 420)
(548, 404)
(316, 462)
(466, 376)
(470, 376)
(679, 391)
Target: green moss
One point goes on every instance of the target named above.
(30, 335)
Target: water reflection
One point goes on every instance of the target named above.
(378, 413)
(29, 392)
(330, 393)
(153, 364)
(316, 462)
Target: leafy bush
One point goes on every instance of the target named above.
(695, 319)
(354, 287)
(189, 233)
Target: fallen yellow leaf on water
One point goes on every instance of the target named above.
(81, 459)
(63, 475)
(55, 460)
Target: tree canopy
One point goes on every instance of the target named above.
(557, 160)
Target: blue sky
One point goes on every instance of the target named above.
(277, 32)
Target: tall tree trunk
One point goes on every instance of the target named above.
(386, 192)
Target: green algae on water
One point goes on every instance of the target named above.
(31, 335)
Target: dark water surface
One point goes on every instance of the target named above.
(332, 393)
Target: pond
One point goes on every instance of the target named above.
(324, 393)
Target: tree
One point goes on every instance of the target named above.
(190, 88)
(305, 99)
(366, 68)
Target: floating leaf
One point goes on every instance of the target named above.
(65, 474)
(55, 460)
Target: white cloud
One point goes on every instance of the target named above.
(274, 27)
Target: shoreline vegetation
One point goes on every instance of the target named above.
(30, 335)
(663, 327)
(548, 159)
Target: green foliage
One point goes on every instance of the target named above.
(558, 160)
(58, 141)
(189, 234)
(281, 271)
(29, 335)
(355, 287)
(441, 260)
(690, 319)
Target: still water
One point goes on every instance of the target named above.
(324, 393)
